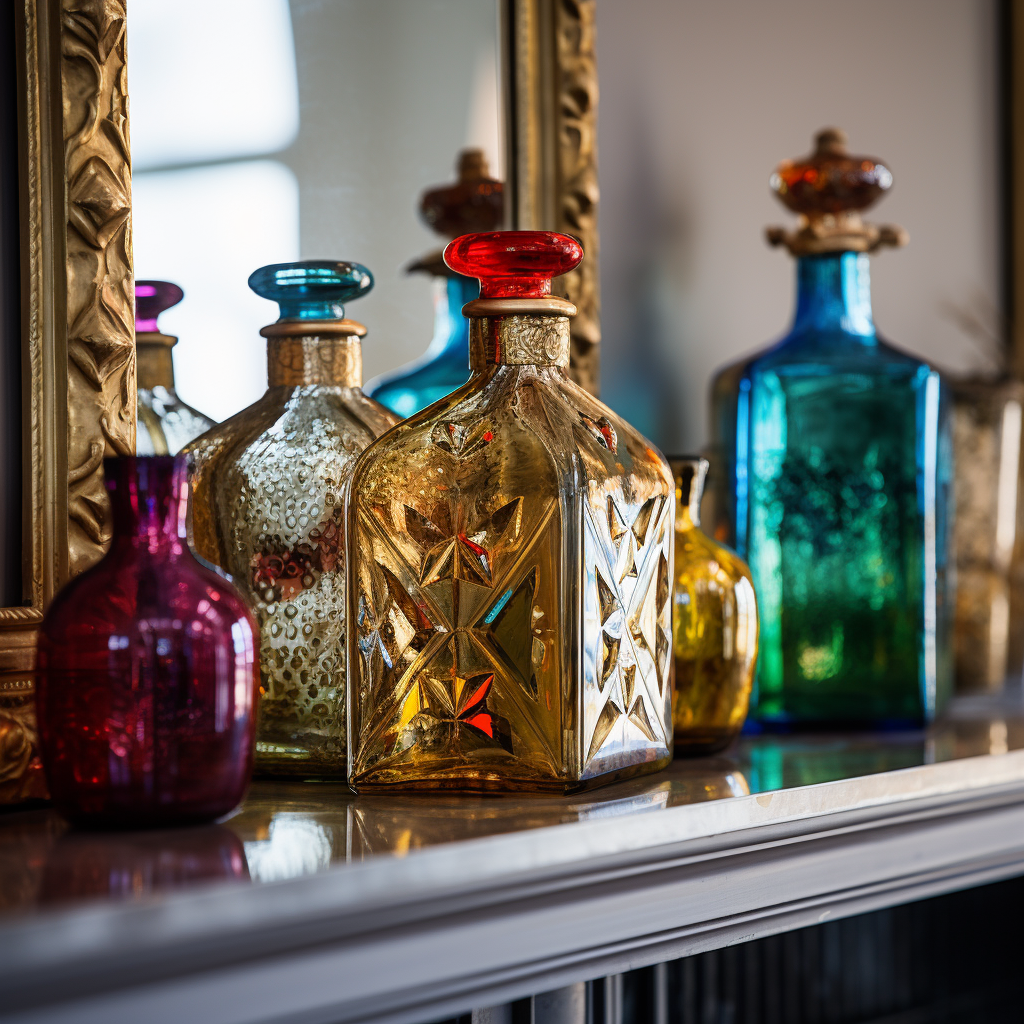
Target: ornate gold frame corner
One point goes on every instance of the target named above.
(551, 98)
(78, 382)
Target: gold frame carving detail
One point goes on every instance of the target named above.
(100, 287)
(551, 142)
(78, 385)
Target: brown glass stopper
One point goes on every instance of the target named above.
(829, 189)
(473, 203)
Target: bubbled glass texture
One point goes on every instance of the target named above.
(268, 507)
(714, 630)
(166, 424)
(147, 685)
(509, 619)
(841, 476)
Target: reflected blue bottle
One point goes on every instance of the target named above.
(445, 365)
(473, 203)
(840, 476)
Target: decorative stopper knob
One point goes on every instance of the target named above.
(311, 289)
(514, 264)
(151, 299)
(474, 203)
(828, 189)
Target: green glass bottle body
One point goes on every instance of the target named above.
(840, 482)
(268, 505)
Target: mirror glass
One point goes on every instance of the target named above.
(266, 131)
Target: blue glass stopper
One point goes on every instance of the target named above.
(312, 289)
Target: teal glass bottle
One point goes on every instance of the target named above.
(840, 477)
(473, 203)
(445, 365)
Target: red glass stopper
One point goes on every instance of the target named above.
(151, 299)
(514, 264)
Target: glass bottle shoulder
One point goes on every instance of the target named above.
(430, 379)
(694, 548)
(551, 430)
(287, 421)
(814, 353)
(166, 424)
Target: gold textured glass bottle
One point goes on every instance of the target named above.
(510, 550)
(268, 493)
(715, 626)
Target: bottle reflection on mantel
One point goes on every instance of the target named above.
(290, 829)
(133, 865)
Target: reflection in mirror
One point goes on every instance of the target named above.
(10, 327)
(301, 130)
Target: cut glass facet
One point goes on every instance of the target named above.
(510, 621)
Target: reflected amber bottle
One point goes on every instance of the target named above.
(509, 546)
(268, 493)
(714, 623)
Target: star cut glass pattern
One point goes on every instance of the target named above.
(509, 611)
(625, 555)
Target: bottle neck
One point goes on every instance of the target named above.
(689, 473)
(528, 339)
(300, 354)
(451, 329)
(154, 365)
(149, 499)
(834, 295)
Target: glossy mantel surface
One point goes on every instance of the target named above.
(287, 830)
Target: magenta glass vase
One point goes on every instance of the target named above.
(147, 672)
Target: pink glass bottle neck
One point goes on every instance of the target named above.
(149, 500)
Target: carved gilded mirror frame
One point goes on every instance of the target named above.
(78, 352)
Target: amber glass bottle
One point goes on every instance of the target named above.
(268, 507)
(509, 546)
(714, 626)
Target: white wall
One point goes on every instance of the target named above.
(700, 100)
(293, 129)
(389, 91)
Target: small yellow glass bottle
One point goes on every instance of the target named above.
(715, 626)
